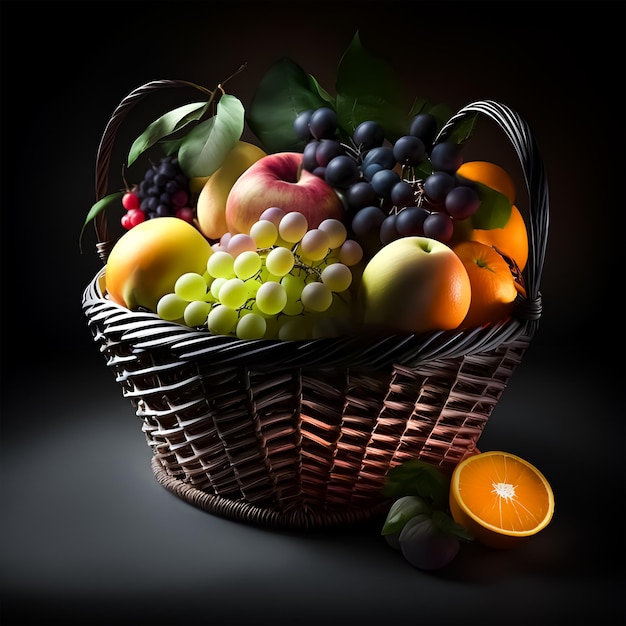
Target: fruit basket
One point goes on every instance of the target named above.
(301, 434)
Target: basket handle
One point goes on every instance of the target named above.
(520, 136)
(103, 156)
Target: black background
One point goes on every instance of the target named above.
(88, 536)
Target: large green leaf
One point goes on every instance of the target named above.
(369, 89)
(203, 150)
(164, 126)
(97, 208)
(284, 91)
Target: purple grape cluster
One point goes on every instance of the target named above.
(164, 189)
(383, 196)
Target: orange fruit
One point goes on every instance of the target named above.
(512, 238)
(492, 283)
(500, 498)
(489, 174)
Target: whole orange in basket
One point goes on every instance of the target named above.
(147, 259)
(512, 238)
(492, 283)
(500, 498)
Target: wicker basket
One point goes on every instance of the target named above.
(301, 435)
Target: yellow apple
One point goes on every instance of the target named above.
(146, 261)
(415, 285)
(211, 205)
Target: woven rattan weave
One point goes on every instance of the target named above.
(302, 434)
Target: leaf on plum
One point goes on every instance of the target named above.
(284, 91)
(166, 125)
(204, 148)
(417, 478)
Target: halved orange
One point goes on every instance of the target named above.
(500, 498)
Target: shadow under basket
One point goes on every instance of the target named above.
(301, 434)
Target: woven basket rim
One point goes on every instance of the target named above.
(363, 348)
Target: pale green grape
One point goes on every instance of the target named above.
(337, 277)
(221, 264)
(293, 284)
(190, 286)
(316, 297)
(271, 298)
(279, 261)
(222, 320)
(196, 313)
(293, 307)
(264, 233)
(315, 244)
(335, 230)
(350, 252)
(247, 264)
(293, 328)
(293, 226)
(216, 285)
(251, 326)
(252, 285)
(171, 307)
(233, 293)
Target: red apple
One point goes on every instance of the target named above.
(279, 180)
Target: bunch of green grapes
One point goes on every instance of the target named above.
(282, 280)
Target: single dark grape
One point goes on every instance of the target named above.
(367, 221)
(446, 156)
(389, 230)
(384, 181)
(301, 125)
(409, 150)
(323, 123)
(342, 171)
(410, 221)
(402, 194)
(462, 202)
(383, 155)
(309, 155)
(437, 186)
(360, 195)
(368, 135)
(424, 126)
(327, 150)
(439, 226)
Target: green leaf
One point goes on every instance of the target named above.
(315, 87)
(401, 511)
(284, 91)
(97, 208)
(166, 125)
(203, 150)
(494, 210)
(444, 522)
(418, 478)
(369, 89)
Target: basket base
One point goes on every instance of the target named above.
(268, 517)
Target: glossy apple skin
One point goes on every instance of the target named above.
(277, 180)
(415, 285)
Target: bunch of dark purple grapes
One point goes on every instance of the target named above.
(384, 196)
(163, 192)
